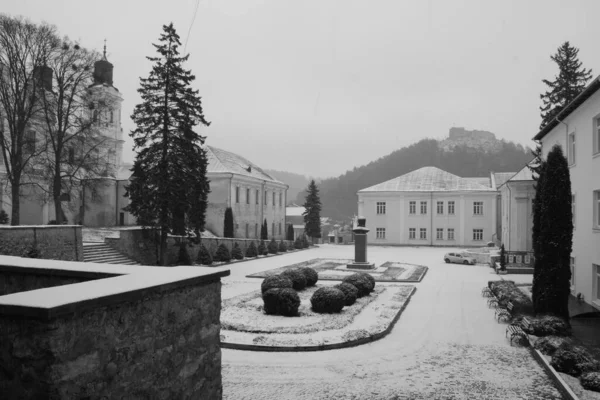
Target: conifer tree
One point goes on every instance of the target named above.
(290, 232)
(264, 231)
(312, 212)
(569, 82)
(554, 237)
(228, 223)
(168, 186)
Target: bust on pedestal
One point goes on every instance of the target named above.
(360, 246)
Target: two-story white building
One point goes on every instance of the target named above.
(430, 207)
(577, 130)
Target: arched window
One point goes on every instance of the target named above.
(111, 116)
(95, 116)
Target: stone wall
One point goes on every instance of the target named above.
(52, 242)
(160, 345)
(14, 281)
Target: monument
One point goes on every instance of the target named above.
(360, 246)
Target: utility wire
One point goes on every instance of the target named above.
(191, 24)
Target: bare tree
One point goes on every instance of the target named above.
(24, 48)
(73, 122)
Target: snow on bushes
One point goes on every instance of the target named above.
(204, 256)
(310, 274)
(236, 252)
(590, 381)
(275, 281)
(272, 247)
(328, 300)
(297, 277)
(507, 291)
(350, 292)
(549, 325)
(361, 283)
(573, 360)
(251, 251)
(281, 301)
(222, 254)
(549, 344)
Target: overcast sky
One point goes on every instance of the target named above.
(318, 87)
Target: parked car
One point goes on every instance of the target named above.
(459, 258)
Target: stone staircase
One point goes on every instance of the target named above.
(103, 253)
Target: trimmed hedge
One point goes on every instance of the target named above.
(573, 360)
(252, 251)
(280, 301)
(222, 253)
(328, 300)
(507, 291)
(272, 247)
(204, 256)
(350, 292)
(236, 252)
(369, 277)
(360, 282)
(312, 277)
(275, 282)
(297, 278)
(590, 381)
(282, 247)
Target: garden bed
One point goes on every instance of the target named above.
(244, 325)
(336, 270)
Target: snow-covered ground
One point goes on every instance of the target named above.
(446, 345)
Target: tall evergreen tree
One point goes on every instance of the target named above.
(569, 82)
(228, 223)
(264, 231)
(290, 232)
(312, 212)
(168, 186)
(553, 232)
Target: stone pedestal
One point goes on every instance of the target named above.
(360, 247)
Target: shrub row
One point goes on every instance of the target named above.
(507, 291)
(223, 254)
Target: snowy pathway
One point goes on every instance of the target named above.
(446, 344)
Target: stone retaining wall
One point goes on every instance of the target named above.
(52, 242)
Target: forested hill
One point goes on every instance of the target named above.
(297, 183)
(338, 195)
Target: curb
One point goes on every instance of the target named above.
(333, 346)
(564, 389)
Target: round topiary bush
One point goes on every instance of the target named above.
(310, 274)
(369, 277)
(204, 256)
(236, 252)
(282, 247)
(350, 292)
(328, 300)
(573, 360)
(272, 247)
(297, 278)
(276, 282)
(222, 253)
(251, 251)
(281, 301)
(590, 381)
(262, 249)
(360, 282)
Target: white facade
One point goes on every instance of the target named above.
(517, 195)
(580, 129)
(445, 211)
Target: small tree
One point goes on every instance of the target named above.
(228, 223)
(183, 257)
(282, 247)
(298, 244)
(272, 247)
(290, 232)
(262, 248)
(204, 256)
(3, 217)
(312, 212)
(252, 251)
(264, 232)
(236, 252)
(502, 258)
(222, 253)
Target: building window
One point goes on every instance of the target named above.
(439, 233)
(597, 209)
(423, 233)
(273, 229)
(477, 234)
(280, 197)
(256, 230)
(597, 136)
(423, 207)
(450, 233)
(572, 264)
(440, 207)
(247, 229)
(247, 196)
(381, 207)
(572, 148)
(237, 194)
(380, 233)
(265, 197)
(451, 207)
(71, 155)
(597, 268)
(29, 142)
(412, 207)
(478, 207)
(412, 233)
(280, 228)
(274, 199)
(573, 209)
(256, 200)
(112, 116)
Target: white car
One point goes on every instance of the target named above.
(459, 258)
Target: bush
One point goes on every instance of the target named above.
(310, 274)
(573, 360)
(282, 247)
(52, 222)
(297, 278)
(204, 257)
(3, 217)
(305, 243)
(262, 249)
(32, 252)
(272, 247)
(328, 300)
(590, 381)
(350, 292)
(547, 325)
(183, 258)
(360, 282)
(236, 252)
(252, 251)
(507, 291)
(222, 254)
(298, 243)
(368, 277)
(502, 258)
(281, 302)
(549, 344)
(276, 282)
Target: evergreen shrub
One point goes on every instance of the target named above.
(360, 282)
(310, 274)
(276, 282)
(262, 249)
(204, 256)
(590, 381)
(573, 360)
(328, 300)
(297, 278)
(282, 247)
(272, 247)
(350, 292)
(549, 344)
(252, 251)
(298, 243)
(222, 253)
(236, 252)
(3, 217)
(281, 302)
(547, 325)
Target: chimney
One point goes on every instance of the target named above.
(43, 76)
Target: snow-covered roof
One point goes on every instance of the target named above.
(485, 181)
(220, 161)
(428, 179)
(294, 211)
(524, 174)
(501, 177)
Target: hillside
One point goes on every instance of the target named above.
(464, 153)
(296, 182)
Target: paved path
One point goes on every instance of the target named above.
(446, 344)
